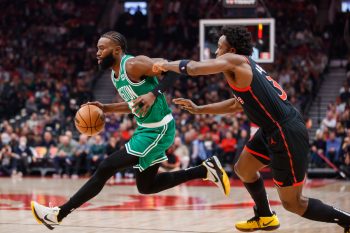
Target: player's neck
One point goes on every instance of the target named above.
(116, 67)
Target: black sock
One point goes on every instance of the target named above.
(318, 211)
(197, 172)
(168, 180)
(258, 193)
(150, 181)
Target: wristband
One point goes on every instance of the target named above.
(157, 91)
(183, 66)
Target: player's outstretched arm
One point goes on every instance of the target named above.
(223, 107)
(223, 63)
(142, 66)
(121, 107)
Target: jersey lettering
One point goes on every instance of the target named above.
(127, 93)
(260, 70)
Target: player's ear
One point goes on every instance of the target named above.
(117, 50)
(232, 50)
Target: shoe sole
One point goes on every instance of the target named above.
(225, 180)
(37, 218)
(269, 228)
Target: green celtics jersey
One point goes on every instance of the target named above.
(129, 91)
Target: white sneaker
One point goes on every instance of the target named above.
(217, 174)
(45, 215)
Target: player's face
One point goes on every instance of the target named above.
(107, 53)
(223, 47)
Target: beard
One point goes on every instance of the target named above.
(107, 62)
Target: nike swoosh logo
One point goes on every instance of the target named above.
(266, 224)
(216, 179)
(45, 218)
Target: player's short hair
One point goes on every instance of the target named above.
(239, 38)
(117, 38)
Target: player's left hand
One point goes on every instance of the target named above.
(143, 103)
(187, 105)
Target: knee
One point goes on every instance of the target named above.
(296, 207)
(244, 174)
(288, 205)
(144, 189)
(238, 170)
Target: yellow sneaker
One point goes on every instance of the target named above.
(259, 223)
(217, 174)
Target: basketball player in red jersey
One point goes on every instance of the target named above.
(281, 141)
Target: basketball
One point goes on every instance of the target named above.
(89, 120)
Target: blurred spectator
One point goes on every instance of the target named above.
(8, 161)
(62, 158)
(329, 121)
(31, 106)
(71, 140)
(181, 151)
(209, 144)
(81, 152)
(50, 146)
(228, 145)
(199, 154)
(25, 156)
(114, 144)
(333, 146)
(318, 147)
(96, 155)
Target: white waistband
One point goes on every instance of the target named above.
(164, 121)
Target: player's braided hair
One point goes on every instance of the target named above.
(117, 38)
(239, 38)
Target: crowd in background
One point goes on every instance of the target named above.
(332, 140)
(48, 65)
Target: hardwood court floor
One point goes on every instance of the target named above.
(195, 207)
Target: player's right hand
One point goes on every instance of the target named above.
(187, 105)
(96, 103)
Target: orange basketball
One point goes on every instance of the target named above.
(89, 120)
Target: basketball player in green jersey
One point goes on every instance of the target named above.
(132, 77)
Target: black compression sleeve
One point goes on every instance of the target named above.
(164, 84)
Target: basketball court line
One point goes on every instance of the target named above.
(106, 227)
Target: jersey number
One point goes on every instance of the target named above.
(283, 94)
